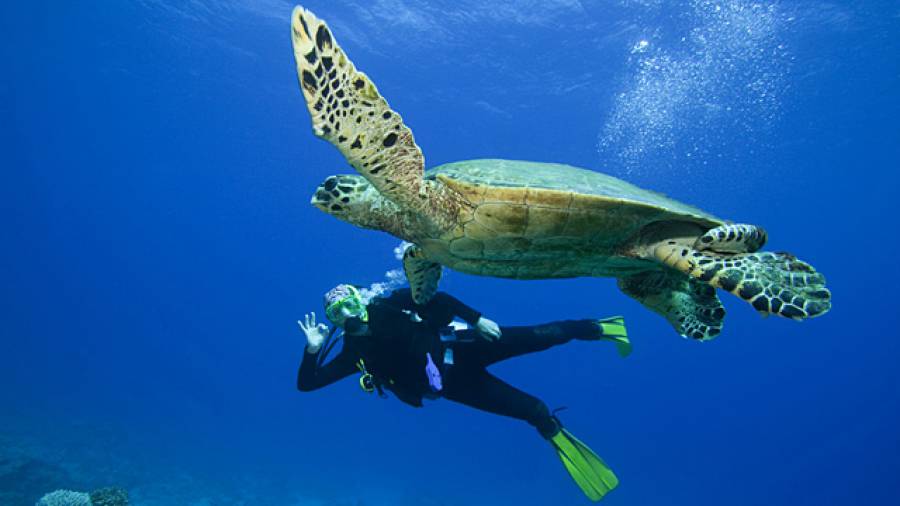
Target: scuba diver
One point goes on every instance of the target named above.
(413, 351)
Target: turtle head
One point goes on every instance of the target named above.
(353, 199)
(341, 196)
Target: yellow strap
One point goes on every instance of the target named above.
(361, 365)
(362, 383)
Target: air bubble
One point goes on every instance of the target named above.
(722, 80)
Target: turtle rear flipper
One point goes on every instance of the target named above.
(348, 112)
(776, 283)
(690, 306)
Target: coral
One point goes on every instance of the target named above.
(65, 498)
(110, 496)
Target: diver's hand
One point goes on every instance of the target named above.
(315, 334)
(488, 329)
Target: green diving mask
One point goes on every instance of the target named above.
(343, 302)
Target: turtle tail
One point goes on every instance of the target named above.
(773, 283)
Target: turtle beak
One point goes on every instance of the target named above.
(337, 195)
(324, 195)
(320, 199)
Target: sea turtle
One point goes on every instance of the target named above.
(528, 220)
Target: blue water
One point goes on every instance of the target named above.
(158, 247)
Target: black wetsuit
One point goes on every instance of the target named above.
(395, 353)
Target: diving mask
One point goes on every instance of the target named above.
(343, 302)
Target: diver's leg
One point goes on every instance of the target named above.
(477, 388)
(515, 341)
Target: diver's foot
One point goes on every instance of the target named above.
(592, 475)
(612, 329)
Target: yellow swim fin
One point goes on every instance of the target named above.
(588, 470)
(613, 329)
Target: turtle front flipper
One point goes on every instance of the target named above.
(423, 274)
(690, 306)
(776, 283)
(732, 238)
(348, 112)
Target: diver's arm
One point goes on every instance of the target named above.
(443, 308)
(440, 306)
(316, 334)
(400, 298)
(454, 306)
(487, 328)
(311, 376)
